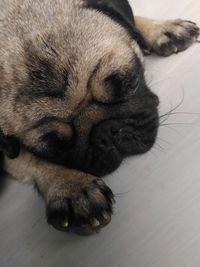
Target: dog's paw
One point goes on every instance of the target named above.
(174, 36)
(84, 210)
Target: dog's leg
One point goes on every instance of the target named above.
(166, 37)
(74, 200)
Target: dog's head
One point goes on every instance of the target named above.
(78, 96)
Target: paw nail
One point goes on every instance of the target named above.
(106, 215)
(95, 223)
(66, 224)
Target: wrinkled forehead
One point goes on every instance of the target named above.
(88, 37)
(105, 59)
(81, 51)
(111, 51)
(52, 68)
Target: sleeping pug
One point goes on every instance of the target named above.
(74, 101)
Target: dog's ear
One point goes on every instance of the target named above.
(9, 145)
(121, 12)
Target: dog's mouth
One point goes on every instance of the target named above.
(112, 141)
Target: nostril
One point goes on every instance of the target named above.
(102, 142)
(115, 128)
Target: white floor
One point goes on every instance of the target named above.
(157, 214)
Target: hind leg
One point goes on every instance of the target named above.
(166, 37)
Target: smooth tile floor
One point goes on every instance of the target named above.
(157, 214)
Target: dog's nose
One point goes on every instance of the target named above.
(102, 135)
(105, 156)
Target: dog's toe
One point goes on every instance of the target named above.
(84, 212)
(175, 36)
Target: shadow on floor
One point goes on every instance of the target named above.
(3, 181)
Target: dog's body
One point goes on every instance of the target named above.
(73, 93)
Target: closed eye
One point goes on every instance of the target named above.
(122, 84)
(50, 86)
(44, 78)
(114, 85)
(136, 83)
(46, 120)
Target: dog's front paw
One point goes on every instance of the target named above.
(82, 208)
(174, 36)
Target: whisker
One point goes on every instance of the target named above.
(176, 107)
(171, 128)
(150, 70)
(184, 113)
(167, 116)
(164, 141)
(157, 149)
(121, 194)
(159, 146)
(177, 123)
(162, 80)
(152, 152)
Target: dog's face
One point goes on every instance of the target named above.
(83, 103)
